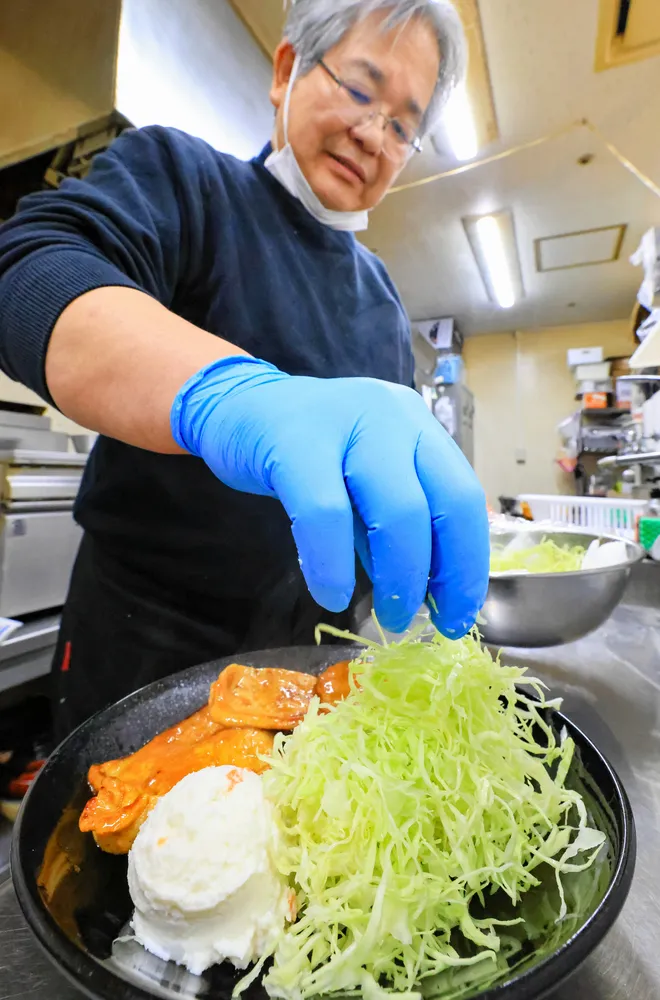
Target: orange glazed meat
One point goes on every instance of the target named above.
(268, 698)
(333, 684)
(236, 727)
(127, 789)
(169, 744)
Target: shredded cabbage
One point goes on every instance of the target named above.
(546, 557)
(402, 812)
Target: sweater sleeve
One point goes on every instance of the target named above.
(137, 220)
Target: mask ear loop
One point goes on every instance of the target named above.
(287, 98)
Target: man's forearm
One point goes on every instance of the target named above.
(116, 360)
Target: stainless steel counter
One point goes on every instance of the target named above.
(610, 683)
(611, 686)
(5, 842)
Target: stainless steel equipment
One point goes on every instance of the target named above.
(27, 654)
(453, 406)
(642, 458)
(629, 459)
(39, 480)
(549, 609)
(38, 536)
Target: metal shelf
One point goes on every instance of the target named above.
(28, 652)
(609, 411)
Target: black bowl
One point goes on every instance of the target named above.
(75, 898)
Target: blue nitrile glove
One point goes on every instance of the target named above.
(328, 447)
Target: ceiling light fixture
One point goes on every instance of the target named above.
(490, 235)
(459, 125)
(493, 242)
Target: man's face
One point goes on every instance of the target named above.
(346, 153)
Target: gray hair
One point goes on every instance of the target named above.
(315, 26)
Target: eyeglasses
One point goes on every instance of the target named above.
(402, 135)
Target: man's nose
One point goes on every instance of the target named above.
(370, 133)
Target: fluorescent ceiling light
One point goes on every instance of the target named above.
(458, 122)
(493, 241)
(490, 236)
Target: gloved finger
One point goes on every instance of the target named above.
(361, 542)
(310, 485)
(386, 493)
(461, 546)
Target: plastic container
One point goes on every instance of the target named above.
(449, 369)
(609, 515)
(649, 532)
(648, 525)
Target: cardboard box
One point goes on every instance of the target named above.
(442, 334)
(620, 366)
(584, 356)
(596, 372)
(624, 394)
(594, 401)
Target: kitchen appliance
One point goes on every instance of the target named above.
(39, 480)
(453, 406)
(38, 536)
(642, 456)
(438, 375)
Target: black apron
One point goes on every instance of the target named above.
(121, 630)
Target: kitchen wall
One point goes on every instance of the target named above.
(193, 65)
(523, 389)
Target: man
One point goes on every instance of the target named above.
(248, 366)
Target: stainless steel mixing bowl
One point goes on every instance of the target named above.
(548, 609)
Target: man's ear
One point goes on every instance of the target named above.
(282, 68)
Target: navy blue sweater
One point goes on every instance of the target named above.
(221, 243)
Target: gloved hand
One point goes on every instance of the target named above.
(329, 448)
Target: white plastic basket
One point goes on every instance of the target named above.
(609, 515)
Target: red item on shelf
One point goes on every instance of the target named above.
(594, 401)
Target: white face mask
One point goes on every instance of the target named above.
(285, 168)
